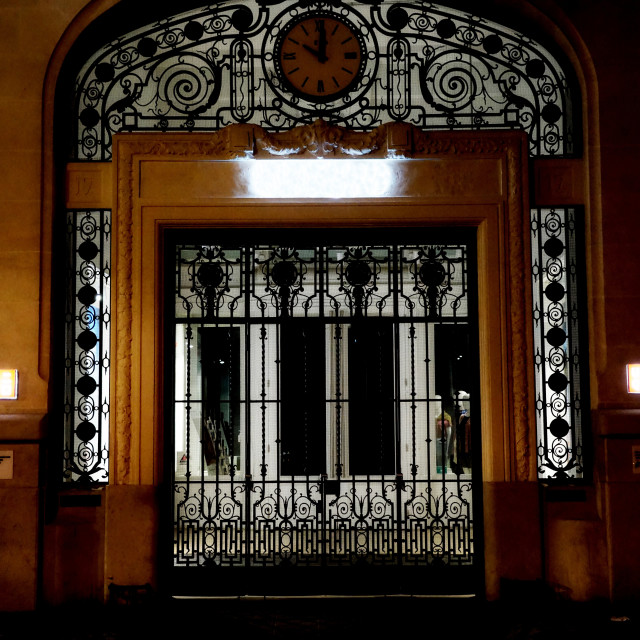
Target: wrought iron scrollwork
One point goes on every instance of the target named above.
(361, 287)
(557, 324)
(442, 522)
(435, 67)
(338, 459)
(285, 272)
(207, 276)
(436, 281)
(286, 521)
(87, 362)
(210, 525)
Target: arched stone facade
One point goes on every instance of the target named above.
(597, 518)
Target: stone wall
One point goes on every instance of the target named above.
(600, 534)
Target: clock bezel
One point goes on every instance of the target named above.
(331, 95)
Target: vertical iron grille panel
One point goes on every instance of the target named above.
(424, 63)
(87, 360)
(210, 407)
(323, 398)
(558, 322)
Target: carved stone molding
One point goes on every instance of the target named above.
(396, 140)
(89, 185)
(519, 331)
(320, 139)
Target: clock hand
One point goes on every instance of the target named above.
(315, 52)
(322, 43)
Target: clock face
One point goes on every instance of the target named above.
(319, 57)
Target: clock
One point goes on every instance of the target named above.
(319, 57)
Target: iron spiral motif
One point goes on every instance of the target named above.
(435, 67)
(557, 324)
(87, 359)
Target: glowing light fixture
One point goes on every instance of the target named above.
(8, 384)
(321, 178)
(633, 378)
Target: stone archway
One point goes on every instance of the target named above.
(132, 450)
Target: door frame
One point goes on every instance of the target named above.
(193, 180)
(326, 574)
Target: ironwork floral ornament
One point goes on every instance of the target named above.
(358, 274)
(209, 274)
(433, 273)
(284, 272)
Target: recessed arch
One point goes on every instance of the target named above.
(94, 22)
(530, 11)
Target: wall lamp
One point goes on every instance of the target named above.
(8, 384)
(633, 378)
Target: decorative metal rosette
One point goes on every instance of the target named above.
(362, 282)
(439, 279)
(288, 276)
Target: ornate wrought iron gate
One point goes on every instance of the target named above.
(323, 384)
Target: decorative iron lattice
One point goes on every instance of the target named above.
(557, 325)
(435, 67)
(87, 320)
(282, 457)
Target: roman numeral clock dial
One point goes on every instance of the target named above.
(319, 57)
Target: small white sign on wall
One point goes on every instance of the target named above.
(6, 465)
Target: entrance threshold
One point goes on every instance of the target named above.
(249, 597)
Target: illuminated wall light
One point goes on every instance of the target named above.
(633, 378)
(8, 384)
(321, 178)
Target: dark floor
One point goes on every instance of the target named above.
(334, 618)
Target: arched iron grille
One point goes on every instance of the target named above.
(436, 67)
